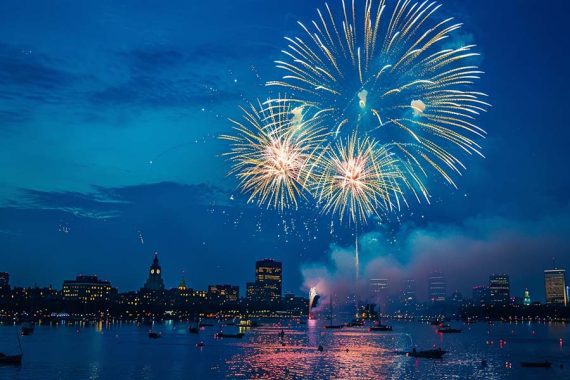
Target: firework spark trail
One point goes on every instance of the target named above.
(392, 75)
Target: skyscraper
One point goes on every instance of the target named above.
(409, 291)
(499, 289)
(378, 288)
(437, 287)
(268, 280)
(4, 280)
(154, 280)
(555, 286)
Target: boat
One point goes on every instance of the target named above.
(224, 335)
(10, 359)
(543, 364)
(380, 328)
(248, 323)
(193, 330)
(448, 330)
(355, 323)
(27, 330)
(330, 325)
(154, 334)
(427, 354)
(423, 354)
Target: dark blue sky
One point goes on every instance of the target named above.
(109, 117)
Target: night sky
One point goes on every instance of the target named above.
(109, 121)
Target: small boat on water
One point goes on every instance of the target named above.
(193, 330)
(10, 359)
(248, 323)
(424, 354)
(154, 334)
(27, 330)
(380, 328)
(355, 323)
(448, 330)
(224, 335)
(542, 364)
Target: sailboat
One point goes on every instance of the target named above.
(12, 359)
(330, 325)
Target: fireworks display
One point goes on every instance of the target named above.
(394, 76)
(357, 178)
(272, 151)
(379, 98)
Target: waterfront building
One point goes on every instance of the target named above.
(223, 294)
(555, 286)
(409, 291)
(378, 288)
(154, 280)
(499, 289)
(268, 281)
(87, 289)
(437, 287)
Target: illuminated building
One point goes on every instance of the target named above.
(526, 299)
(268, 281)
(499, 289)
(409, 291)
(378, 288)
(182, 285)
(223, 294)
(4, 280)
(87, 289)
(154, 280)
(480, 295)
(251, 292)
(555, 286)
(437, 287)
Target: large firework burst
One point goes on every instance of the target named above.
(271, 152)
(393, 75)
(356, 178)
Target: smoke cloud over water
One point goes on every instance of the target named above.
(467, 253)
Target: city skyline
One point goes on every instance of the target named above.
(108, 163)
(498, 289)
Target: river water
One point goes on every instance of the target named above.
(124, 351)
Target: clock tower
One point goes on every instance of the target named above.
(154, 280)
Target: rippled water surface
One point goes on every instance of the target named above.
(124, 351)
